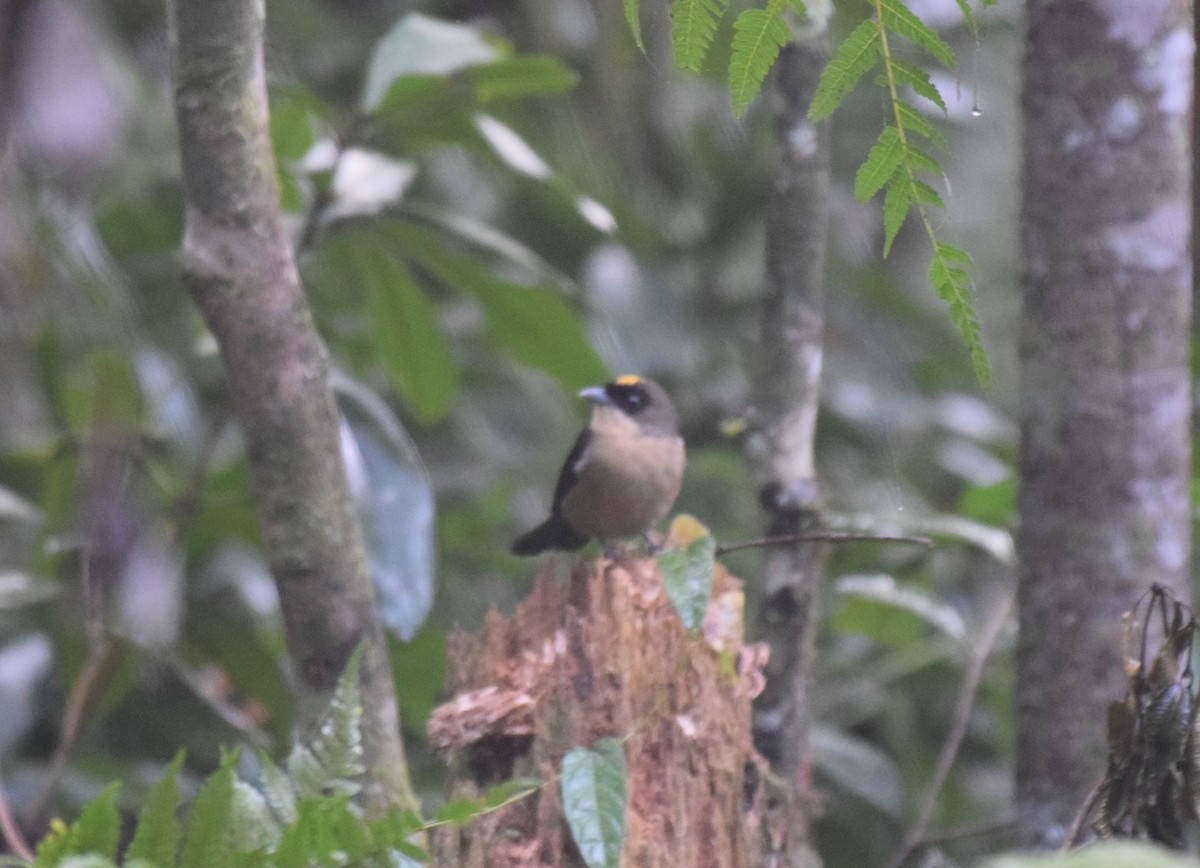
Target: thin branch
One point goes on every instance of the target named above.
(1086, 808)
(10, 831)
(824, 536)
(958, 725)
(82, 691)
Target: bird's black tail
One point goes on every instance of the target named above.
(553, 533)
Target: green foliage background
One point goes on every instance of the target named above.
(473, 303)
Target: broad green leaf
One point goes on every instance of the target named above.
(207, 842)
(758, 34)
(896, 203)
(521, 75)
(90, 860)
(458, 811)
(534, 324)
(632, 8)
(918, 79)
(881, 164)
(693, 23)
(98, 825)
(687, 575)
(404, 328)
(882, 588)
(898, 17)
(853, 59)
(859, 768)
(395, 504)
(511, 791)
(420, 45)
(593, 796)
(157, 835)
(992, 504)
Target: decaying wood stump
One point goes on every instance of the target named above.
(607, 656)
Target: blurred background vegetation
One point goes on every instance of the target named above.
(534, 207)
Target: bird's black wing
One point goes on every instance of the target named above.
(570, 468)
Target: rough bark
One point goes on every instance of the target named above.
(781, 449)
(239, 268)
(607, 657)
(1105, 464)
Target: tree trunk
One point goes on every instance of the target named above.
(781, 448)
(607, 657)
(1105, 464)
(239, 268)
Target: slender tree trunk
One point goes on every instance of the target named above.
(781, 449)
(1105, 464)
(239, 268)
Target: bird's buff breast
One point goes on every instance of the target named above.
(626, 485)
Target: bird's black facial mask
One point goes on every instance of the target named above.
(628, 393)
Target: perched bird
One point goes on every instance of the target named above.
(621, 476)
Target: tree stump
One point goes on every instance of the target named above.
(607, 657)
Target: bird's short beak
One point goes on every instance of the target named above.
(595, 394)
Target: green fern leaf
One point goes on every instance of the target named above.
(253, 823)
(333, 761)
(969, 17)
(899, 18)
(948, 274)
(853, 59)
(918, 79)
(925, 194)
(277, 789)
(157, 835)
(885, 157)
(693, 23)
(915, 122)
(207, 843)
(896, 203)
(98, 825)
(632, 8)
(53, 848)
(758, 34)
(920, 161)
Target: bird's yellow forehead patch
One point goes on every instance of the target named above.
(628, 380)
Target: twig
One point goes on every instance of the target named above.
(1084, 809)
(10, 831)
(958, 726)
(824, 536)
(989, 826)
(81, 692)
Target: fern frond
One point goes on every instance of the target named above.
(758, 34)
(333, 761)
(915, 122)
(897, 17)
(918, 79)
(693, 23)
(881, 164)
(969, 17)
(948, 274)
(853, 59)
(896, 202)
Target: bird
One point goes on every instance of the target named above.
(623, 473)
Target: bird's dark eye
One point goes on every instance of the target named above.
(634, 400)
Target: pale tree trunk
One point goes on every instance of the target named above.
(781, 447)
(239, 268)
(1105, 465)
